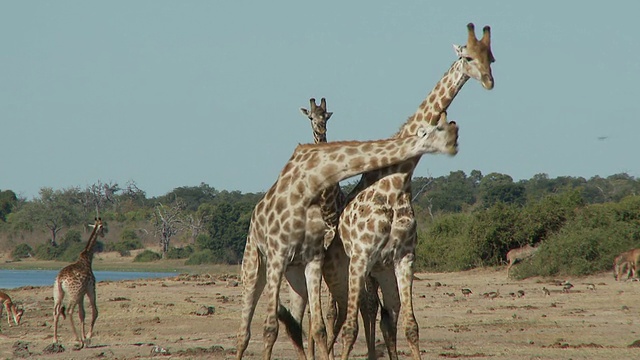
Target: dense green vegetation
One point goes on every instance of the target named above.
(463, 221)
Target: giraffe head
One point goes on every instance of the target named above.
(17, 315)
(477, 56)
(318, 115)
(442, 137)
(98, 226)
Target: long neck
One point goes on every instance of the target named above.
(332, 198)
(437, 101)
(92, 240)
(320, 166)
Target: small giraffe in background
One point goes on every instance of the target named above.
(74, 281)
(276, 240)
(11, 308)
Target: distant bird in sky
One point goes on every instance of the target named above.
(602, 138)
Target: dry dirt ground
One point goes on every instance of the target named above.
(157, 318)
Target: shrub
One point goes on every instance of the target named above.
(147, 256)
(48, 252)
(202, 257)
(22, 251)
(179, 253)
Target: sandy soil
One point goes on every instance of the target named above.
(140, 317)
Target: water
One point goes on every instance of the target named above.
(10, 279)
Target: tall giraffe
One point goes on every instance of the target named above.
(378, 227)
(74, 281)
(327, 208)
(276, 240)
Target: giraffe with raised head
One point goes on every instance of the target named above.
(75, 281)
(327, 209)
(377, 226)
(276, 244)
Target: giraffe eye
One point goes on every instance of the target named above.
(468, 58)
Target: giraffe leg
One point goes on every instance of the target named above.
(81, 316)
(253, 281)
(58, 296)
(404, 276)
(275, 272)
(313, 275)
(369, 311)
(72, 306)
(357, 271)
(337, 281)
(297, 306)
(91, 294)
(390, 310)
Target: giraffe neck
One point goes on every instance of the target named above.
(313, 168)
(331, 199)
(438, 100)
(88, 250)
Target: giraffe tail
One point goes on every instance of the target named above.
(294, 328)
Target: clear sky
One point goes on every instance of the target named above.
(175, 93)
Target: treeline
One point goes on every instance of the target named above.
(464, 221)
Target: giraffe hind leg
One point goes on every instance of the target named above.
(91, 294)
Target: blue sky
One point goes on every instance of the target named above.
(170, 94)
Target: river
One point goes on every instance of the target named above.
(10, 279)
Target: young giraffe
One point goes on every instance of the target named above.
(276, 240)
(327, 209)
(11, 308)
(378, 228)
(74, 281)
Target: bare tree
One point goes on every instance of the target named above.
(196, 224)
(98, 195)
(168, 222)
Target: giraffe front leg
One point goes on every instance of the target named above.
(357, 272)
(275, 271)
(390, 310)
(404, 275)
(318, 330)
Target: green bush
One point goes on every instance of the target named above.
(22, 251)
(147, 256)
(48, 252)
(179, 253)
(202, 257)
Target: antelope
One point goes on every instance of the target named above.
(12, 309)
(519, 254)
(627, 262)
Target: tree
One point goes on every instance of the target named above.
(98, 195)
(53, 210)
(168, 222)
(8, 200)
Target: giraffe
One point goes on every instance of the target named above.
(276, 244)
(74, 281)
(327, 208)
(377, 226)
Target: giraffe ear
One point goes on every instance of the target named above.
(304, 111)
(328, 115)
(460, 50)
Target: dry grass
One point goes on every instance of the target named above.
(135, 316)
